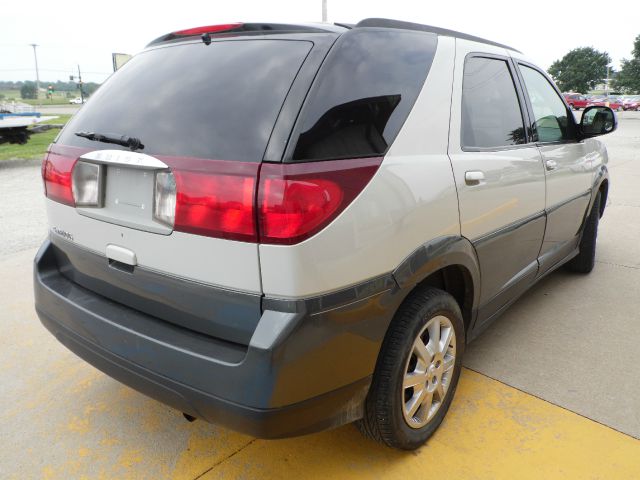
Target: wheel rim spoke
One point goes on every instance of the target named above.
(415, 402)
(422, 351)
(440, 392)
(449, 362)
(413, 379)
(434, 334)
(446, 339)
(425, 412)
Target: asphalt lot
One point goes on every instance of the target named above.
(550, 391)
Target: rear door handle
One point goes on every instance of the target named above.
(473, 177)
(551, 164)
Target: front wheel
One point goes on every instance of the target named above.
(417, 371)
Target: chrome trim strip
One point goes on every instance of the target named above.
(125, 158)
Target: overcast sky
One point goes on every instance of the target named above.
(86, 33)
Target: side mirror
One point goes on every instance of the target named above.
(597, 121)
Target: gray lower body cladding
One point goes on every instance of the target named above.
(306, 368)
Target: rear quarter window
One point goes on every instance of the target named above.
(217, 101)
(363, 94)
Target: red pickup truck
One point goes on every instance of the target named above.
(576, 100)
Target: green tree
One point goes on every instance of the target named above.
(28, 90)
(89, 88)
(628, 79)
(580, 70)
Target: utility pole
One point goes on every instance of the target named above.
(72, 78)
(35, 55)
(324, 10)
(80, 83)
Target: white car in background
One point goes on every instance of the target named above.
(77, 101)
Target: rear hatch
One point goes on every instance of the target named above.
(199, 117)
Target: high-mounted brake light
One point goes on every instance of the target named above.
(208, 29)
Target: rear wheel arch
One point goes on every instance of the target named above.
(447, 263)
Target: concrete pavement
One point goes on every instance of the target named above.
(573, 339)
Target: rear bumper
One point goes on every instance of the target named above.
(305, 369)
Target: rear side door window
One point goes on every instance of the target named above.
(491, 113)
(551, 119)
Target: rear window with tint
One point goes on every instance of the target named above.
(217, 102)
(364, 93)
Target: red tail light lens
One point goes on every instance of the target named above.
(215, 198)
(297, 200)
(208, 29)
(56, 173)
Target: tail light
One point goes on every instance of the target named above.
(271, 203)
(297, 200)
(215, 205)
(56, 174)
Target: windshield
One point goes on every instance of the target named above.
(216, 102)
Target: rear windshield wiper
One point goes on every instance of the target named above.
(132, 142)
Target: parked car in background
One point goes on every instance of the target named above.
(612, 102)
(576, 100)
(77, 101)
(631, 103)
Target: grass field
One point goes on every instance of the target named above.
(37, 144)
(59, 98)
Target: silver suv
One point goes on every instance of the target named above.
(286, 228)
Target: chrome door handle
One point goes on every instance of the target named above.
(473, 177)
(551, 164)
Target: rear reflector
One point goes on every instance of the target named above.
(56, 174)
(297, 200)
(208, 29)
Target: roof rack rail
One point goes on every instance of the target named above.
(387, 23)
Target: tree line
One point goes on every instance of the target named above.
(583, 68)
(27, 88)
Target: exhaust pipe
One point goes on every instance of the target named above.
(189, 418)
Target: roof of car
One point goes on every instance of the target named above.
(387, 23)
(271, 28)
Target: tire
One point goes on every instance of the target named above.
(586, 258)
(387, 413)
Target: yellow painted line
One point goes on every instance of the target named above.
(491, 432)
(62, 419)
